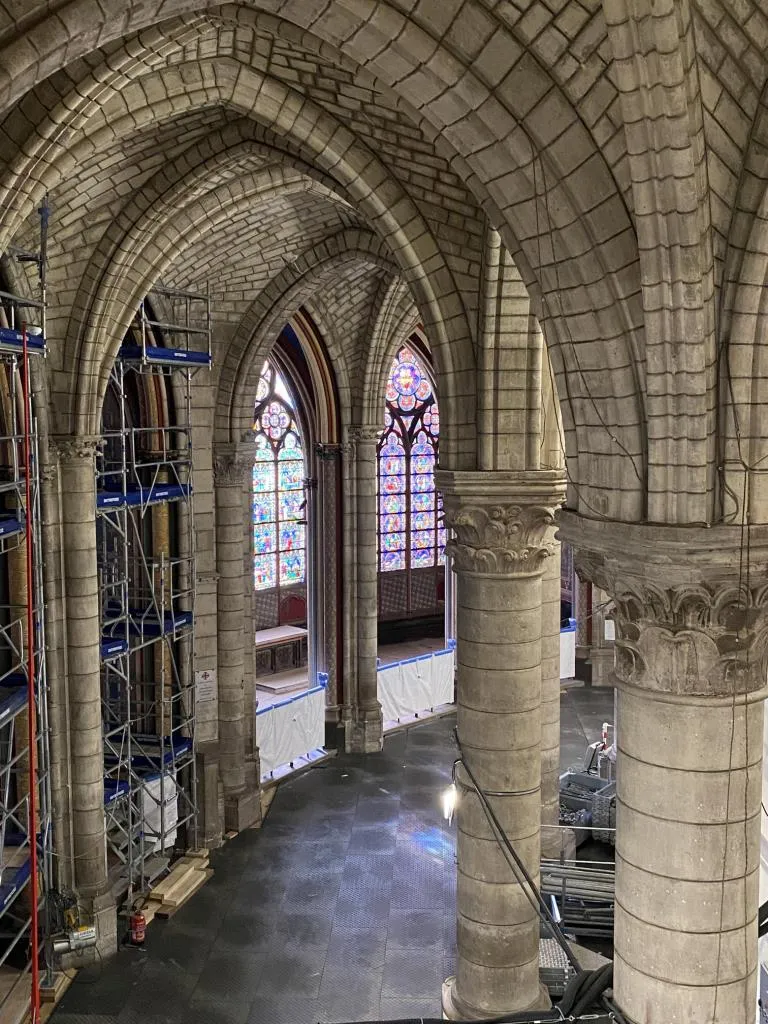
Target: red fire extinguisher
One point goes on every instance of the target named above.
(137, 926)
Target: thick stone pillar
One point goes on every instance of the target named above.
(231, 465)
(551, 838)
(78, 507)
(690, 614)
(502, 537)
(365, 730)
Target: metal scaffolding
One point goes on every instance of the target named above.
(25, 795)
(146, 559)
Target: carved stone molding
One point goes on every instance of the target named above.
(499, 539)
(70, 447)
(690, 606)
(502, 522)
(328, 452)
(365, 434)
(232, 462)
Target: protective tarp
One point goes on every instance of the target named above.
(409, 687)
(291, 729)
(159, 824)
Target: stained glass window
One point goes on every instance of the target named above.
(279, 535)
(411, 535)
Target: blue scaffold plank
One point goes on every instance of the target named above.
(13, 699)
(165, 356)
(14, 880)
(114, 789)
(142, 496)
(10, 525)
(113, 647)
(149, 755)
(12, 341)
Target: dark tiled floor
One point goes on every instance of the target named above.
(341, 908)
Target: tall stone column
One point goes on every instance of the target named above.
(328, 463)
(551, 839)
(56, 653)
(365, 733)
(78, 507)
(502, 537)
(690, 614)
(230, 466)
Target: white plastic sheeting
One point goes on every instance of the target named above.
(568, 650)
(159, 824)
(290, 729)
(417, 684)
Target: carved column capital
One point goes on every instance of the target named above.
(328, 452)
(690, 604)
(231, 463)
(364, 434)
(69, 447)
(502, 522)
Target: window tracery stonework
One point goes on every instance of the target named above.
(279, 486)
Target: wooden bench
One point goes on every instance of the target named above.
(280, 636)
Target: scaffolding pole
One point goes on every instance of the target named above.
(148, 604)
(25, 793)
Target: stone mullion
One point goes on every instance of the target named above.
(501, 526)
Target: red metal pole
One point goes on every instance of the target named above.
(31, 701)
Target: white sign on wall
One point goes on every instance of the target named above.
(205, 686)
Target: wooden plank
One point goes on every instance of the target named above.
(178, 872)
(150, 909)
(47, 1009)
(53, 993)
(15, 990)
(201, 854)
(179, 895)
(167, 910)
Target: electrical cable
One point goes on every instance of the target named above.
(537, 901)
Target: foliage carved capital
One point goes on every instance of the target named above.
(74, 447)
(232, 463)
(691, 612)
(496, 539)
(365, 434)
(328, 452)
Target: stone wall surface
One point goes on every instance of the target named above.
(567, 198)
